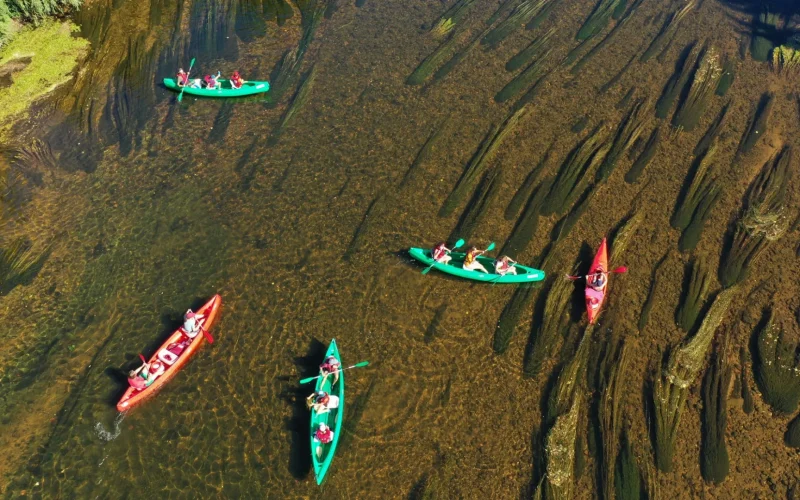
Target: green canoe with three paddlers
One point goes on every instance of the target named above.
(223, 89)
(477, 266)
(326, 428)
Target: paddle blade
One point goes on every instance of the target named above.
(180, 96)
(427, 270)
(458, 244)
(208, 336)
(490, 247)
(191, 63)
(143, 360)
(360, 365)
(307, 380)
(621, 269)
(571, 278)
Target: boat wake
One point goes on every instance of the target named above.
(109, 435)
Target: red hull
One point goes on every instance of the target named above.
(594, 298)
(133, 397)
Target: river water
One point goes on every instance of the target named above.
(150, 206)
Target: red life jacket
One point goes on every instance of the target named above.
(324, 437)
(183, 78)
(439, 251)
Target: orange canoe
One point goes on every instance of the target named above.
(595, 298)
(173, 362)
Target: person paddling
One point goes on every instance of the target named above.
(471, 262)
(323, 435)
(597, 280)
(330, 366)
(322, 402)
(505, 265)
(145, 375)
(191, 323)
(212, 81)
(441, 253)
(236, 80)
(183, 78)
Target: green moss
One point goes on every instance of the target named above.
(54, 52)
(793, 433)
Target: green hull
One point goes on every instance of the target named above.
(332, 420)
(225, 90)
(454, 267)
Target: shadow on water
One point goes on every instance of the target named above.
(295, 396)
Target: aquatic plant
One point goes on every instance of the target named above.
(644, 316)
(599, 18)
(617, 77)
(678, 80)
(520, 15)
(526, 188)
(451, 17)
(530, 75)
(284, 74)
(609, 36)
(18, 263)
(714, 462)
(297, 102)
(361, 230)
(786, 60)
(757, 128)
(747, 395)
(627, 133)
(565, 225)
(530, 52)
(777, 370)
(479, 161)
(647, 154)
(671, 386)
(706, 78)
(727, 78)
(424, 152)
(694, 294)
(447, 67)
(627, 479)
(612, 391)
(763, 220)
(667, 32)
(560, 450)
(435, 325)
(792, 437)
(526, 225)
(575, 173)
(713, 132)
(545, 335)
(569, 380)
(764, 27)
(624, 235)
(433, 61)
(697, 198)
(477, 207)
(509, 318)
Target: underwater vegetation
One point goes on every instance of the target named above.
(477, 207)
(531, 51)
(706, 79)
(764, 28)
(297, 102)
(479, 161)
(526, 188)
(285, 74)
(624, 236)
(525, 227)
(531, 75)
(522, 14)
(509, 318)
(576, 171)
(714, 461)
(629, 130)
(644, 316)
(447, 67)
(424, 152)
(786, 61)
(777, 368)
(428, 65)
(609, 36)
(612, 390)
(617, 77)
(698, 197)
(545, 334)
(451, 17)
(763, 219)
(713, 132)
(792, 437)
(627, 479)
(758, 124)
(695, 293)
(648, 152)
(664, 37)
(600, 17)
(19, 263)
(671, 386)
(727, 78)
(747, 394)
(678, 80)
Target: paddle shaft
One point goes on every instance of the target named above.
(180, 97)
(617, 270)
(357, 365)
(494, 281)
(427, 269)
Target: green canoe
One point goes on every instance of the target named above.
(332, 419)
(454, 267)
(225, 90)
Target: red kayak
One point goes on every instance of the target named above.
(173, 354)
(596, 295)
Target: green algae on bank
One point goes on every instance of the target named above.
(53, 51)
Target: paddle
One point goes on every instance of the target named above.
(458, 244)
(357, 365)
(494, 281)
(621, 269)
(207, 335)
(180, 97)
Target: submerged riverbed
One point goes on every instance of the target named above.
(386, 129)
